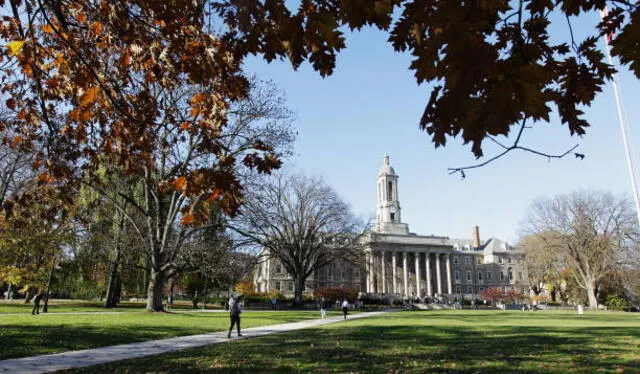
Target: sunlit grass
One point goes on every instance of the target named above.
(421, 342)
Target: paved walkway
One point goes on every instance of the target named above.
(88, 357)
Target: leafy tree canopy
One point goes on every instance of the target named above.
(492, 64)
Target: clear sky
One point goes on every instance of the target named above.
(372, 105)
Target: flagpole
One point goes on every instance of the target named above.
(625, 139)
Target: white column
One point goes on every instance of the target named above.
(395, 276)
(268, 275)
(448, 258)
(368, 270)
(404, 270)
(384, 276)
(371, 286)
(438, 277)
(427, 263)
(417, 254)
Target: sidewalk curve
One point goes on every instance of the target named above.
(88, 357)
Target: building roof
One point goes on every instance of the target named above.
(386, 168)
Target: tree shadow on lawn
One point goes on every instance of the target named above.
(409, 348)
(39, 336)
(22, 341)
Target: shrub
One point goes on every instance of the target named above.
(336, 293)
(617, 302)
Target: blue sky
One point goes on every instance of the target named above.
(372, 105)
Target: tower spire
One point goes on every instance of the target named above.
(388, 217)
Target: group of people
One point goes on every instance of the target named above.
(235, 309)
(324, 305)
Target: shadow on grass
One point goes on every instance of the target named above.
(401, 347)
(34, 335)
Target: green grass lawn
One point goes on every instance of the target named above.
(27, 335)
(423, 342)
(66, 306)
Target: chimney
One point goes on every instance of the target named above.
(476, 236)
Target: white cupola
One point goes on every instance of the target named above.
(388, 217)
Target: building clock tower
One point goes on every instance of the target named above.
(388, 216)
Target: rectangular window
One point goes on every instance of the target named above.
(468, 275)
(481, 289)
(343, 273)
(456, 275)
(455, 259)
(501, 260)
(479, 260)
(510, 260)
(458, 289)
(469, 289)
(520, 276)
(389, 191)
(278, 269)
(290, 284)
(480, 276)
(488, 275)
(504, 290)
(467, 260)
(278, 286)
(392, 216)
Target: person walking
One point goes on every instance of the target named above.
(345, 307)
(323, 308)
(234, 313)
(36, 302)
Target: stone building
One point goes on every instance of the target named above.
(406, 264)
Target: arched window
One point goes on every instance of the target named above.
(510, 274)
(501, 275)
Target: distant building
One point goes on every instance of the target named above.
(403, 263)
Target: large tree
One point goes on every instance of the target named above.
(544, 264)
(591, 232)
(145, 88)
(166, 209)
(301, 222)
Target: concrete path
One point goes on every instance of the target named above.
(88, 357)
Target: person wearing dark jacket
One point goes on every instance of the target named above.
(36, 302)
(234, 313)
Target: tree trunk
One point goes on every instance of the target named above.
(154, 291)
(27, 296)
(204, 295)
(591, 293)
(194, 300)
(45, 308)
(8, 296)
(298, 289)
(110, 299)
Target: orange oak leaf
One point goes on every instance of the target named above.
(181, 183)
(89, 96)
(187, 219)
(96, 27)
